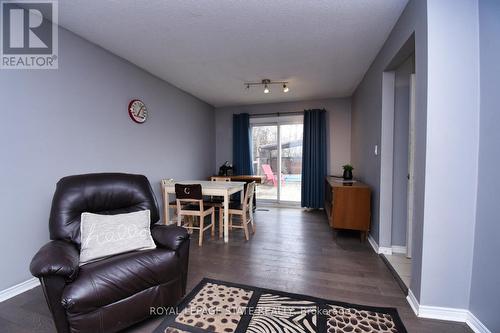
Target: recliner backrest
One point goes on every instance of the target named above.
(99, 193)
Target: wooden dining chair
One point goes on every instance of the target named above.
(218, 203)
(189, 201)
(244, 210)
(172, 204)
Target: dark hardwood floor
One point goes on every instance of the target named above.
(293, 250)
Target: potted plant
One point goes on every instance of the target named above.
(347, 171)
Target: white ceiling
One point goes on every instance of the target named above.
(209, 48)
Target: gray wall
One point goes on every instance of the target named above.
(366, 122)
(451, 152)
(447, 127)
(485, 294)
(74, 120)
(400, 151)
(338, 128)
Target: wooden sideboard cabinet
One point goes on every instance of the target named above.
(348, 206)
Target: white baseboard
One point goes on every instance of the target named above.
(412, 300)
(442, 313)
(449, 314)
(379, 249)
(18, 289)
(399, 249)
(476, 325)
(385, 250)
(373, 243)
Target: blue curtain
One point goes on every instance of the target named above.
(313, 159)
(242, 155)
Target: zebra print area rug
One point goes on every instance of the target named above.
(224, 307)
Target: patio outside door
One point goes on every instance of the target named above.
(277, 155)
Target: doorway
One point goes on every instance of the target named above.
(397, 167)
(277, 156)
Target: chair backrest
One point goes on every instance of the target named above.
(250, 192)
(267, 171)
(99, 193)
(220, 179)
(188, 191)
(165, 182)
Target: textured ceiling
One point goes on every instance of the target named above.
(209, 48)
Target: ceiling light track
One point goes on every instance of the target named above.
(266, 83)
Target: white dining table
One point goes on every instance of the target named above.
(209, 188)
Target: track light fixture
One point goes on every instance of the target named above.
(266, 83)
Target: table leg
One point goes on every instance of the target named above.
(226, 218)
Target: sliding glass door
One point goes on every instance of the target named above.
(265, 160)
(277, 156)
(291, 162)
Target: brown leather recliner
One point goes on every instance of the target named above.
(116, 292)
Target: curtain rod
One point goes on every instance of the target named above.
(276, 114)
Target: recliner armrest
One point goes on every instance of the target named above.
(169, 236)
(56, 258)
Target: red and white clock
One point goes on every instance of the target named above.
(137, 111)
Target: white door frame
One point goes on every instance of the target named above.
(387, 165)
(411, 168)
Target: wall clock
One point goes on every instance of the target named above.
(137, 111)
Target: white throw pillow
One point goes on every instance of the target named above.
(106, 235)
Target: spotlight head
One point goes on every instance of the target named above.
(285, 88)
(266, 89)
